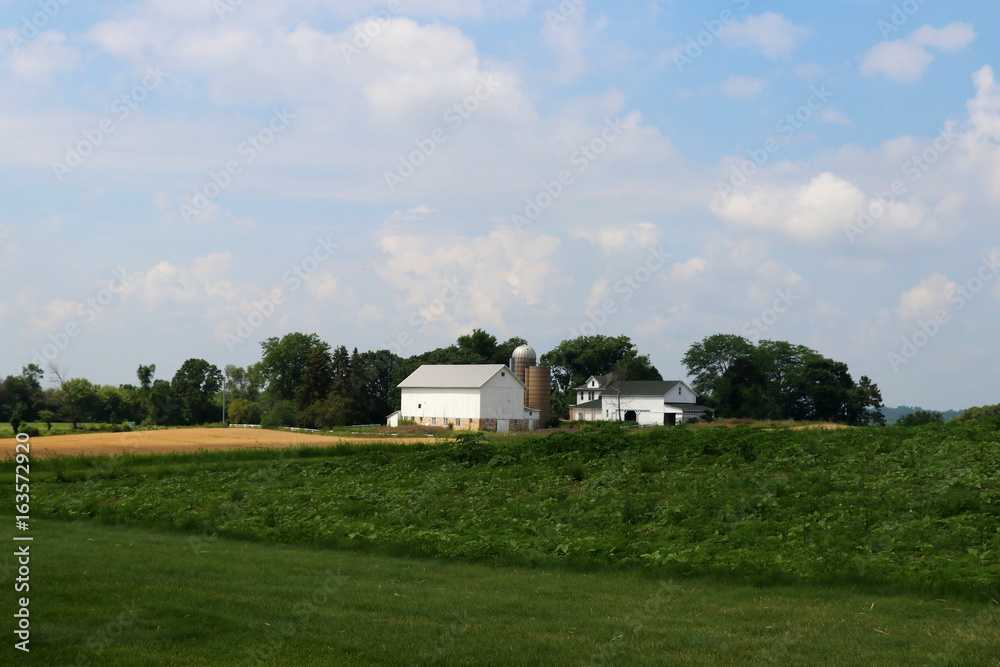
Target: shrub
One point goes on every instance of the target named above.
(920, 418)
(281, 414)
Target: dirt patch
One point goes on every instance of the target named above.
(195, 439)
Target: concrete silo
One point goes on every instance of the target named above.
(524, 356)
(538, 379)
(540, 392)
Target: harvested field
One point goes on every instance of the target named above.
(192, 439)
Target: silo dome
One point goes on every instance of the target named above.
(524, 352)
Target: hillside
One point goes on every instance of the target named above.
(914, 506)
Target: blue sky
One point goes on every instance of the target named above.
(186, 178)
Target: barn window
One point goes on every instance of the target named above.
(502, 374)
(419, 405)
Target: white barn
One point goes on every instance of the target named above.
(486, 397)
(649, 403)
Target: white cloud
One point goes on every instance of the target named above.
(43, 56)
(689, 270)
(905, 60)
(772, 34)
(742, 86)
(834, 116)
(621, 238)
(807, 213)
(926, 297)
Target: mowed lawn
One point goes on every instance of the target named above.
(126, 596)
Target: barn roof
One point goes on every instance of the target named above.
(441, 376)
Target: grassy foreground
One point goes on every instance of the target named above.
(130, 596)
(918, 507)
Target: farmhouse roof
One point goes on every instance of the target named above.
(443, 376)
(596, 403)
(645, 387)
(602, 381)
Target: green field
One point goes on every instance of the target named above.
(126, 596)
(858, 546)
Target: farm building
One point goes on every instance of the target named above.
(486, 397)
(648, 403)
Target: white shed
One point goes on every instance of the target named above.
(486, 397)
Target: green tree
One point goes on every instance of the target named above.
(575, 360)
(317, 378)
(195, 385)
(707, 362)
(381, 396)
(824, 387)
(920, 418)
(479, 343)
(82, 401)
(242, 411)
(284, 361)
(866, 404)
(977, 413)
(47, 417)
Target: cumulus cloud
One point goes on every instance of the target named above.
(45, 55)
(771, 34)
(905, 60)
(742, 86)
(809, 213)
(926, 297)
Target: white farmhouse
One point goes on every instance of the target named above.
(485, 397)
(648, 403)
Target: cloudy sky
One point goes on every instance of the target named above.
(186, 178)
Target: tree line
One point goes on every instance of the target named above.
(779, 381)
(302, 380)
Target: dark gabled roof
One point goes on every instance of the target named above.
(602, 382)
(644, 387)
(596, 403)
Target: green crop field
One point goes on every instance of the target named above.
(660, 546)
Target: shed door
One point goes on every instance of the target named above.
(503, 425)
